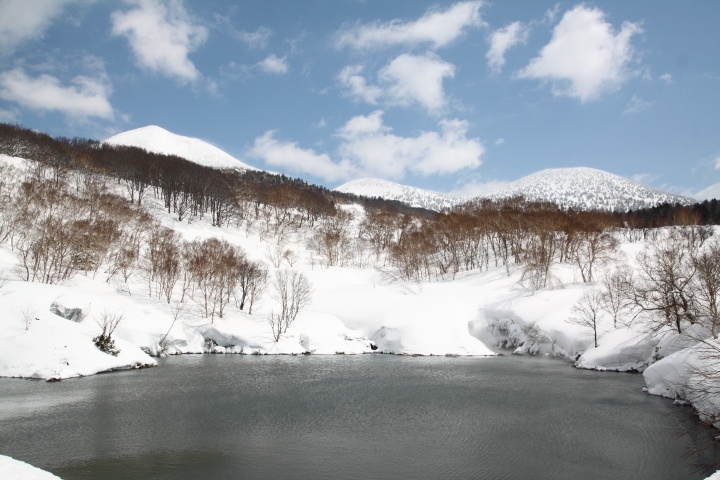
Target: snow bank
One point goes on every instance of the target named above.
(36, 343)
(690, 375)
(534, 323)
(11, 469)
(623, 350)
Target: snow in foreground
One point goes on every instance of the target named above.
(11, 469)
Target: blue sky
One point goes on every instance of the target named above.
(450, 96)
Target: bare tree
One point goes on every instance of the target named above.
(274, 254)
(178, 312)
(252, 282)
(162, 261)
(617, 297)
(593, 249)
(28, 314)
(292, 290)
(707, 283)
(214, 268)
(586, 312)
(108, 322)
(664, 287)
(331, 240)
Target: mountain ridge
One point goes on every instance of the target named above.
(578, 188)
(158, 140)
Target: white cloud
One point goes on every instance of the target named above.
(667, 78)
(585, 57)
(637, 105)
(369, 148)
(501, 41)
(717, 162)
(407, 80)
(86, 97)
(289, 155)
(374, 150)
(356, 85)
(417, 79)
(161, 34)
(19, 22)
(500, 141)
(438, 28)
(274, 65)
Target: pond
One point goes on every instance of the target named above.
(366, 416)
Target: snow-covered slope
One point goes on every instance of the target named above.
(416, 197)
(158, 140)
(580, 188)
(584, 188)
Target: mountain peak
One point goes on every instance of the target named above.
(586, 188)
(158, 140)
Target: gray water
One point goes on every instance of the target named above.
(367, 416)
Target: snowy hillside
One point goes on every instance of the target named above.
(415, 197)
(580, 188)
(584, 188)
(158, 140)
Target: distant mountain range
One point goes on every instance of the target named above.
(415, 197)
(579, 188)
(158, 140)
(584, 188)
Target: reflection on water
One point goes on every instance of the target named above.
(382, 416)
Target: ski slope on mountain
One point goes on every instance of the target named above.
(584, 188)
(158, 140)
(415, 197)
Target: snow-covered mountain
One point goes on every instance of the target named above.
(158, 140)
(580, 188)
(416, 197)
(584, 188)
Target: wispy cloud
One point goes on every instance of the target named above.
(357, 87)
(667, 78)
(161, 34)
(85, 97)
(274, 65)
(21, 22)
(585, 56)
(436, 28)
(502, 40)
(255, 39)
(637, 105)
(644, 178)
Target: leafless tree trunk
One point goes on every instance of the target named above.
(586, 312)
(292, 291)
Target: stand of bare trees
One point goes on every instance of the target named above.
(292, 290)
